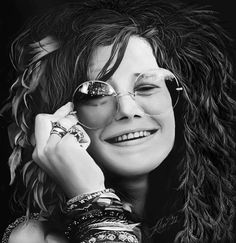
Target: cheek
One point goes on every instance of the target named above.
(167, 124)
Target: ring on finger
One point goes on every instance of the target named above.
(58, 126)
(58, 131)
(76, 132)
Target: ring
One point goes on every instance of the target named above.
(76, 132)
(58, 125)
(58, 129)
(58, 132)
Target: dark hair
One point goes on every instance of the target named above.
(51, 57)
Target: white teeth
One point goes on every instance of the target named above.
(136, 134)
(132, 135)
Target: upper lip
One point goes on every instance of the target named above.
(129, 131)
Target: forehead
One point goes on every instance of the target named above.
(138, 57)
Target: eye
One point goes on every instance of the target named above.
(146, 89)
(96, 100)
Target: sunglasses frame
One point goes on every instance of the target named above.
(115, 94)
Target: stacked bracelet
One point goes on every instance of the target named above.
(111, 236)
(87, 196)
(99, 216)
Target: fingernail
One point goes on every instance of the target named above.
(84, 140)
(71, 105)
(72, 113)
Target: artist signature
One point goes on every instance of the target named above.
(164, 223)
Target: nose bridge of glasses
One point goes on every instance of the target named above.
(120, 94)
(127, 106)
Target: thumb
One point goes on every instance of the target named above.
(64, 110)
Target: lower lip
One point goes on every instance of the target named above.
(135, 141)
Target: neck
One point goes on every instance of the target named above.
(133, 190)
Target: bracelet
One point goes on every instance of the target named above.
(88, 196)
(100, 216)
(81, 225)
(101, 201)
(13, 225)
(111, 236)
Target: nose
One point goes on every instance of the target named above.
(127, 108)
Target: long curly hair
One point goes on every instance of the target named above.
(51, 57)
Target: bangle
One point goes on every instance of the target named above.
(88, 196)
(100, 216)
(104, 236)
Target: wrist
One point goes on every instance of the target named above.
(100, 216)
(75, 191)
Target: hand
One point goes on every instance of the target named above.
(64, 159)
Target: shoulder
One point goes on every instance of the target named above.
(34, 231)
(31, 231)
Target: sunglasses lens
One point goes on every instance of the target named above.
(95, 103)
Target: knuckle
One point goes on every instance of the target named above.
(48, 150)
(40, 117)
(72, 118)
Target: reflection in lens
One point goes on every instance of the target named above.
(95, 104)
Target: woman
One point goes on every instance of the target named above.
(128, 95)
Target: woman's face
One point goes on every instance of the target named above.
(138, 156)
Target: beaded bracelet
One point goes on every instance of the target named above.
(13, 225)
(111, 236)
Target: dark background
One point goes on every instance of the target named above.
(13, 14)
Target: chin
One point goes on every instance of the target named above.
(124, 162)
(136, 157)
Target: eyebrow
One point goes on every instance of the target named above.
(135, 75)
(98, 70)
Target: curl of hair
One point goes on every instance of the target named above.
(187, 40)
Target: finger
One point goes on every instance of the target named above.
(53, 139)
(43, 127)
(86, 138)
(64, 110)
(80, 136)
(43, 124)
(54, 135)
(68, 121)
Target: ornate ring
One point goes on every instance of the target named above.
(76, 132)
(58, 125)
(58, 129)
(58, 132)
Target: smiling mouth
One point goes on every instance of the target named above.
(131, 136)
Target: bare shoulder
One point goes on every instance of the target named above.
(33, 231)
